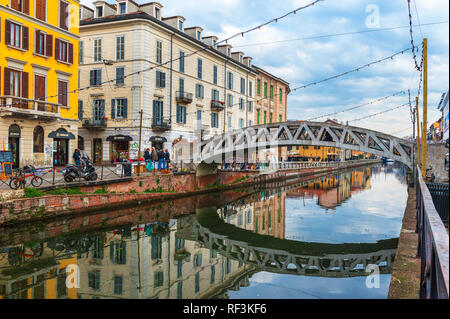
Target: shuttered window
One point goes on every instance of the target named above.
(120, 72)
(160, 79)
(39, 40)
(120, 48)
(62, 93)
(181, 114)
(21, 5)
(41, 9)
(95, 77)
(63, 51)
(16, 35)
(63, 15)
(39, 91)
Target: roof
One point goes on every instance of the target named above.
(146, 16)
(271, 75)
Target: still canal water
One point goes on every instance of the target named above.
(295, 240)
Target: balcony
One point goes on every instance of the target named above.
(161, 125)
(183, 97)
(217, 106)
(27, 108)
(94, 123)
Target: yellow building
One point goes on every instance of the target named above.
(313, 153)
(38, 74)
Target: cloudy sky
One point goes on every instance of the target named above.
(292, 50)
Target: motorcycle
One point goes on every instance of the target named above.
(430, 177)
(85, 171)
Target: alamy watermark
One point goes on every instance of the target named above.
(373, 19)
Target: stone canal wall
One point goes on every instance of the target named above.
(141, 190)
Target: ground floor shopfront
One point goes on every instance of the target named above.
(111, 145)
(38, 142)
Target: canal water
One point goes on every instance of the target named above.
(331, 237)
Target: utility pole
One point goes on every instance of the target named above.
(140, 138)
(425, 104)
(419, 149)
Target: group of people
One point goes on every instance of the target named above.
(160, 157)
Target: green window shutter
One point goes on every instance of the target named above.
(113, 108)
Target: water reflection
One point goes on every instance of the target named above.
(237, 245)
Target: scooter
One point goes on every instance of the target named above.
(430, 177)
(86, 171)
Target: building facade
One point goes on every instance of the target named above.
(189, 89)
(271, 107)
(39, 71)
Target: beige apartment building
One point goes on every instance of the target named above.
(271, 106)
(185, 85)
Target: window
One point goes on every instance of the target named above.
(64, 15)
(158, 111)
(179, 269)
(200, 68)
(265, 115)
(39, 41)
(213, 274)
(199, 91)
(156, 247)
(16, 35)
(250, 123)
(99, 11)
(241, 104)
(228, 266)
(21, 5)
(197, 260)
(199, 35)
(271, 92)
(63, 51)
(215, 70)
(215, 120)
(181, 61)
(123, 8)
(197, 282)
(120, 48)
(38, 140)
(157, 13)
(228, 51)
(281, 118)
(179, 243)
(40, 91)
(98, 50)
(281, 95)
(63, 92)
(80, 142)
(271, 116)
(97, 252)
(242, 86)
(40, 9)
(118, 253)
(250, 88)
(215, 95)
(241, 123)
(80, 52)
(181, 114)
(160, 79)
(158, 278)
(180, 25)
(230, 100)
(158, 52)
(94, 279)
(95, 77)
(257, 116)
(120, 72)
(119, 108)
(118, 285)
(250, 106)
(265, 89)
(230, 121)
(80, 117)
(230, 80)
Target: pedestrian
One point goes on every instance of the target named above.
(167, 158)
(147, 156)
(77, 157)
(161, 159)
(154, 156)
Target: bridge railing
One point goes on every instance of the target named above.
(433, 245)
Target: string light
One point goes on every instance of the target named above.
(379, 113)
(419, 68)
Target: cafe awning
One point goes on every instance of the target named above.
(61, 134)
(119, 138)
(158, 139)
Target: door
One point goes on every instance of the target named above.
(97, 151)
(60, 152)
(98, 111)
(13, 143)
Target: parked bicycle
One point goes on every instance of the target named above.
(19, 180)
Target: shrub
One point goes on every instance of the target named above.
(32, 192)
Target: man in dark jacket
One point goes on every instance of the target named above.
(77, 157)
(147, 156)
(167, 158)
(161, 159)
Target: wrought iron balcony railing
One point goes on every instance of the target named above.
(217, 105)
(160, 125)
(94, 123)
(184, 97)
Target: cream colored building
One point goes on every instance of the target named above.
(205, 90)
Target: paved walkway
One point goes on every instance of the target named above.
(405, 281)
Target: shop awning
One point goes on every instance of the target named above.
(61, 134)
(119, 138)
(158, 139)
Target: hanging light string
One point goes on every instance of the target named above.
(400, 131)
(242, 33)
(414, 49)
(379, 113)
(358, 106)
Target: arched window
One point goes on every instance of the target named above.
(38, 140)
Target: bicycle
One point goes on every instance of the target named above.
(20, 179)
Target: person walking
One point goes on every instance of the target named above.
(147, 156)
(154, 156)
(167, 159)
(161, 159)
(77, 157)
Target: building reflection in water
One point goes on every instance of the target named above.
(160, 259)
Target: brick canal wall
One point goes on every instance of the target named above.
(131, 192)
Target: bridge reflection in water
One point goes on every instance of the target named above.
(210, 250)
